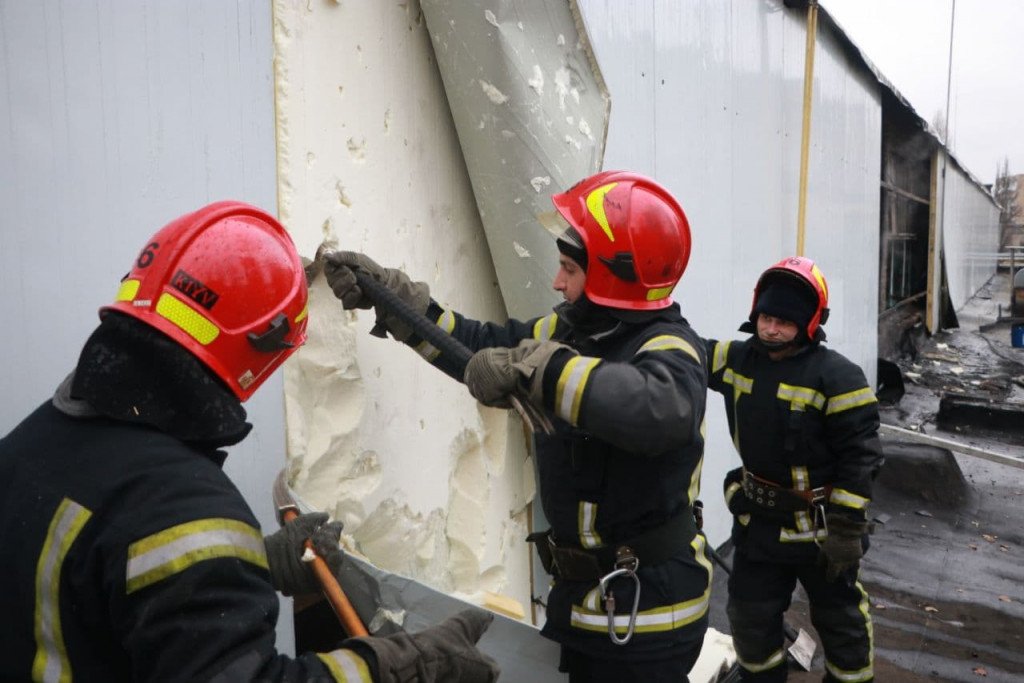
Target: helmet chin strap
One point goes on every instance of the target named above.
(777, 347)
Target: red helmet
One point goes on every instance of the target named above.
(636, 237)
(226, 283)
(801, 271)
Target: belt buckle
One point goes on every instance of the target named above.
(819, 495)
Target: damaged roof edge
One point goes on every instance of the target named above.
(859, 59)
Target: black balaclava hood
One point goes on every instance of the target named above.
(131, 372)
(788, 300)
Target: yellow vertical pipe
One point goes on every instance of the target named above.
(933, 289)
(805, 136)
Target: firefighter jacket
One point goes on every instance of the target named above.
(130, 556)
(803, 422)
(625, 459)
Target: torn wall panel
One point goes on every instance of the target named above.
(531, 111)
(427, 482)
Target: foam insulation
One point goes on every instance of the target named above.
(428, 483)
(531, 110)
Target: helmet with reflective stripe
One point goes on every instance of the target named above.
(226, 283)
(802, 274)
(635, 235)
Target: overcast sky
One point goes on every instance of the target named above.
(908, 41)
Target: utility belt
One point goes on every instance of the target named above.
(652, 547)
(770, 496)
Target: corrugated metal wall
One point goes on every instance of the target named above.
(707, 98)
(116, 118)
(119, 116)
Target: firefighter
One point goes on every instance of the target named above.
(130, 556)
(805, 423)
(622, 377)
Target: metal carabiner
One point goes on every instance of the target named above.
(609, 602)
(818, 514)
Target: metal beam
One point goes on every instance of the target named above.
(964, 449)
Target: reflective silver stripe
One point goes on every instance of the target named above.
(446, 321)
(851, 399)
(731, 491)
(720, 356)
(801, 477)
(865, 674)
(51, 663)
(694, 491)
(848, 499)
(346, 666)
(773, 661)
(427, 350)
(657, 619)
(587, 524)
(868, 671)
(544, 328)
(570, 386)
(738, 381)
(740, 385)
(174, 550)
(801, 396)
(804, 531)
(793, 536)
(592, 600)
(668, 342)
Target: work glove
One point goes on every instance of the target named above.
(494, 373)
(445, 653)
(286, 546)
(843, 547)
(738, 502)
(339, 269)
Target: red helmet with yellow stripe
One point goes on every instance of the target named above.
(805, 275)
(635, 235)
(226, 283)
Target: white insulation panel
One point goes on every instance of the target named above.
(970, 235)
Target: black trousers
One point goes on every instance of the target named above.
(586, 669)
(759, 595)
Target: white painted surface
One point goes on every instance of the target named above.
(970, 233)
(707, 98)
(116, 117)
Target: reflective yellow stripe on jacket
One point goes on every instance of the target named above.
(51, 663)
(346, 666)
(174, 550)
(570, 387)
(591, 617)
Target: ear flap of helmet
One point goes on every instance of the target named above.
(226, 283)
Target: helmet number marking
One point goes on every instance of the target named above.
(147, 255)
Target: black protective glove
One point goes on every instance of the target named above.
(843, 547)
(494, 373)
(339, 269)
(735, 498)
(445, 653)
(286, 546)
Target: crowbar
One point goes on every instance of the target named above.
(427, 330)
(287, 510)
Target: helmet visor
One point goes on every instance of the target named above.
(558, 227)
